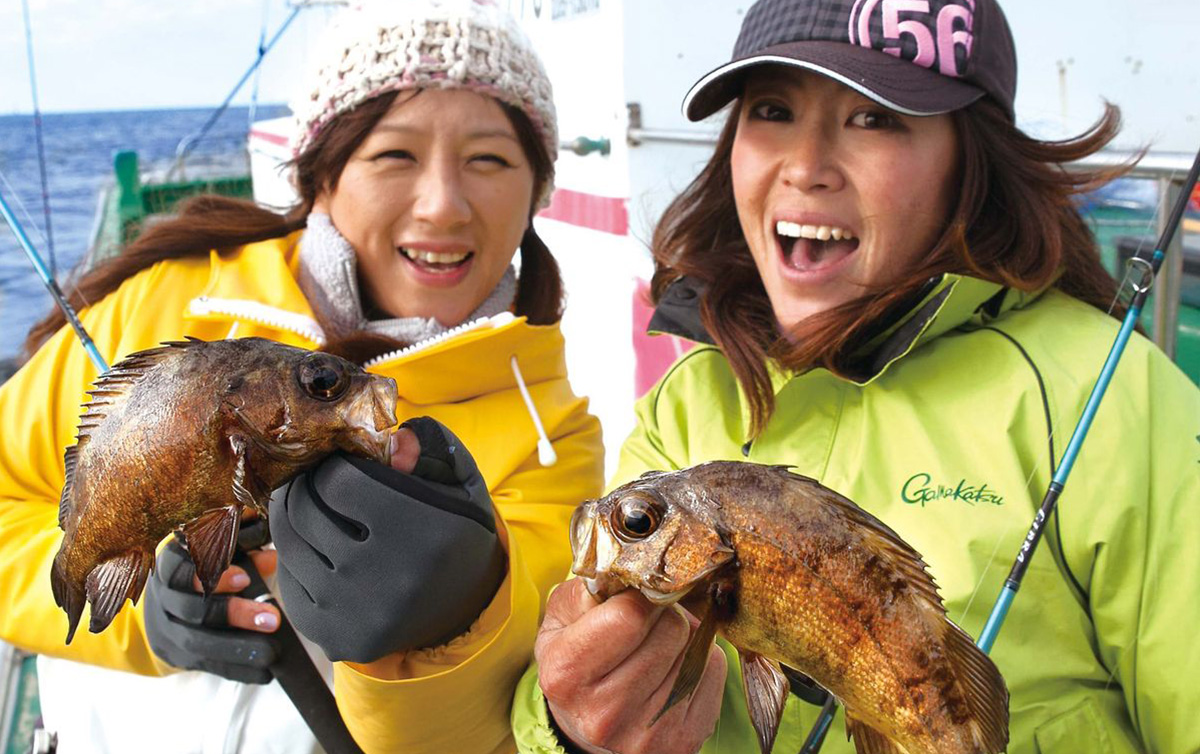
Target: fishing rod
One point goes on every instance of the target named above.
(293, 668)
(37, 130)
(1149, 269)
(52, 286)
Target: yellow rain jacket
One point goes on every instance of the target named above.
(453, 698)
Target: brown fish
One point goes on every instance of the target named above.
(792, 573)
(185, 436)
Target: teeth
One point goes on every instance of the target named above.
(817, 232)
(430, 257)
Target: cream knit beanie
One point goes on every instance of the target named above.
(380, 46)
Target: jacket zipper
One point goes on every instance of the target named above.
(496, 321)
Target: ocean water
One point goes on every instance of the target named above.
(79, 151)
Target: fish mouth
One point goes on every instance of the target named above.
(371, 434)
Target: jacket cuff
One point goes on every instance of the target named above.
(450, 698)
(531, 725)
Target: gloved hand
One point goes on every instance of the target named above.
(374, 561)
(192, 632)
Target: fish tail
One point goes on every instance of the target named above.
(984, 689)
(66, 595)
(113, 581)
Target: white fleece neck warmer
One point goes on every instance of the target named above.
(329, 279)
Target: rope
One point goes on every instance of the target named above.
(37, 128)
(189, 143)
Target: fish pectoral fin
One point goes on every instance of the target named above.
(867, 740)
(109, 584)
(766, 693)
(210, 539)
(247, 489)
(695, 658)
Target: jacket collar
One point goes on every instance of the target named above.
(943, 304)
(258, 285)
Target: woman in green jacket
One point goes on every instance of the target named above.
(900, 299)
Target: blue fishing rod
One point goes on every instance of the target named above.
(52, 286)
(1148, 269)
(293, 668)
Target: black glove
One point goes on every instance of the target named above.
(190, 631)
(373, 561)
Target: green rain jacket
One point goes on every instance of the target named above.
(950, 434)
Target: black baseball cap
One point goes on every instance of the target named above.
(918, 57)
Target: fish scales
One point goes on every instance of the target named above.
(183, 437)
(793, 572)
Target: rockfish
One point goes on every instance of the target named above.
(793, 574)
(183, 437)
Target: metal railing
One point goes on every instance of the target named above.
(1167, 169)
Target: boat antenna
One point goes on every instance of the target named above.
(1140, 273)
(37, 129)
(52, 286)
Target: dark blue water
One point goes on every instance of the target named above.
(79, 152)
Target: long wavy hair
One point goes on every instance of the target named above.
(1015, 222)
(210, 222)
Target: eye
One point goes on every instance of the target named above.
(636, 518)
(770, 111)
(395, 154)
(875, 120)
(323, 377)
(493, 159)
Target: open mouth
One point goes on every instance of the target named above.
(434, 262)
(813, 247)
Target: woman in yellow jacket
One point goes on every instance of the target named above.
(425, 142)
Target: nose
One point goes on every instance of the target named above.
(811, 161)
(441, 200)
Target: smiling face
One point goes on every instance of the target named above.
(434, 201)
(835, 192)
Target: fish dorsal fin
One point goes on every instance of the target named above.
(70, 459)
(695, 658)
(867, 740)
(886, 542)
(112, 388)
(210, 539)
(983, 687)
(112, 582)
(766, 694)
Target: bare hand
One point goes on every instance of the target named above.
(606, 670)
(243, 613)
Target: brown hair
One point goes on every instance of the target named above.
(214, 222)
(1015, 222)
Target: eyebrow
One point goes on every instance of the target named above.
(472, 136)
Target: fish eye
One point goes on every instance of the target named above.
(323, 377)
(636, 518)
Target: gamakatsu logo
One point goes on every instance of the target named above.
(920, 489)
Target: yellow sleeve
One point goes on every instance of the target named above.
(39, 411)
(457, 697)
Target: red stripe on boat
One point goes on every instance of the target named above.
(267, 136)
(603, 213)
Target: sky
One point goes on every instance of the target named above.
(134, 54)
(144, 54)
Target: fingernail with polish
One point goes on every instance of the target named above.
(239, 580)
(266, 619)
